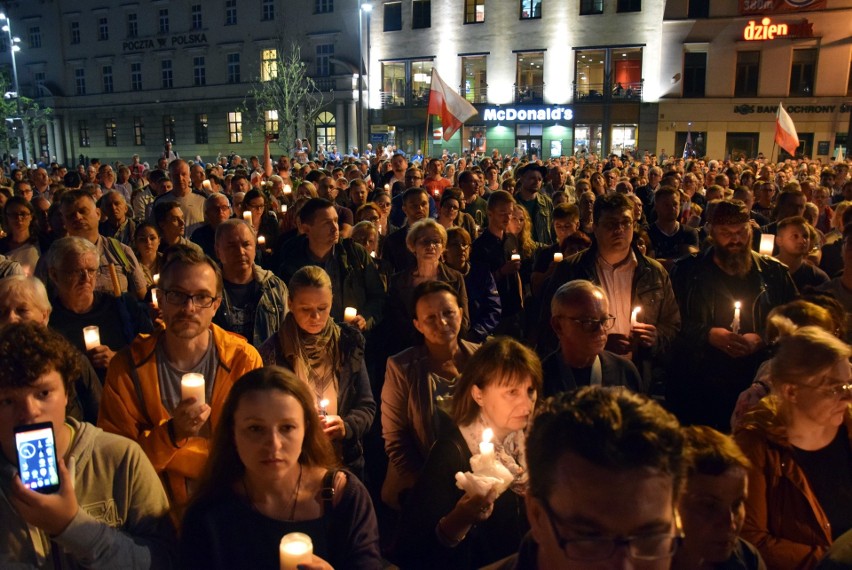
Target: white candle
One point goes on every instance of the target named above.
(192, 386)
(387, 187)
(735, 326)
(486, 448)
(154, 298)
(295, 548)
(287, 189)
(349, 314)
(283, 208)
(373, 254)
(516, 257)
(156, 279)
(261, 240)
(206, 185)
(557, 257)
(634, 316)
(324, 407)
(247, 216)
(767, 244)
(91, 337)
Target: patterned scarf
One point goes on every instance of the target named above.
(318, 353)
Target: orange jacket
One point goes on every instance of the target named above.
(146, 422)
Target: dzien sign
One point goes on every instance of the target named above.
(513, 114)
(767, 30)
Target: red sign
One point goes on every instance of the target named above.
(754, 7)
(766, 29)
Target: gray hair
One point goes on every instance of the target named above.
(109, 193)
(64, 248)
(420, 227)
(570, 292)
(20, 285)
(213, 197)
(229, 225)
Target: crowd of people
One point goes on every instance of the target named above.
(453, 361)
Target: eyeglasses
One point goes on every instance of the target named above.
(656, 546)
(451, 207)
(430, 243)
(256, 206)
(200, 300)
(461, 246)
(835, 392)
(23, 215)
(592, 325)
(612, 225)
(82, 274)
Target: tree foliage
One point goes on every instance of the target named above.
(287, 89)
(32, 113)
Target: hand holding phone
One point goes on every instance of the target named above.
(36, 446)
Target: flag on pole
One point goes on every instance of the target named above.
(785, 131)
(687, 148)
(840, 156)
(453, 109)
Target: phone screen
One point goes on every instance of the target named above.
(37, 457)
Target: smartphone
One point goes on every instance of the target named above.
(36, 447)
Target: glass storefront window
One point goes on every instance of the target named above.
(590, 69)
(611, 73)
(587, 140)
(529, 82)
(474, 85)
(393, 84)
(626, 73)
(623, 139)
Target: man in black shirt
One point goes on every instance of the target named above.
(793, 243)
(670, 239)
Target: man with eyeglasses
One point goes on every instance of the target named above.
(720, 347)
(581, 320)
(605, 471)
(630, 280)
(142, 397)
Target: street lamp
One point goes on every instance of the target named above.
(364, 8)
(14, 48)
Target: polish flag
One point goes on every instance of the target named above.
(453, 109)
(785, 131)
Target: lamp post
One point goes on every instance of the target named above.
(364, 9)
(13, 48)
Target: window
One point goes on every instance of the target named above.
(233, 68)
(196, 17)
(267, 10)
(132, 25)
(529, 77)
(270, 121)
(590, 7)
(138, 131)
(235, 127)
(199, 73)
(588, 139)
(166, 74)
(83, 133)
(748, 67)
(326, 130)
(80, 81)
(393, 17)
(530, 9)
(40, 77)
(103, 29)
(110, 137)
(136, 76)
(169, 128)
(164, 20)
(201, 126)
(230, 12)
(628, 6)
(75, 32)
(421, 80)
(694, 73)
(268, 64)
(474, 11)
(324, 54)
(697, 148)
(35, 37)
(528, 139)
(421, 14)
(623, 139)
(324, 6)
(607, 74)
(393, 84)
(699, 9)
(803, 72)
(474, 85)
(106, 73)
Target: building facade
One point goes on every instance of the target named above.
(124, 76)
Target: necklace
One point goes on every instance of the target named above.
(295, 496)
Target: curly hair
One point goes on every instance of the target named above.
(28, 351)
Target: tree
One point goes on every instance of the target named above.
(31, 112)
(285, 90)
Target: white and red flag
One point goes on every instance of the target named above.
(453, 109)
(785, 131)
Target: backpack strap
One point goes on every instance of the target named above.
(115, 248)
(327, 493)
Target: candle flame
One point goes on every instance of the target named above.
(636, 310)
(487, 435)
(737, 305)
(323, 404)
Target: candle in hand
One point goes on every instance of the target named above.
(767, 244)
(192, 386)
(735, 326)
(247, 216)
(295, 548)
(154, 298)
(324, 407)
(283, 208)
(486, 448)
(634, 316)
(516, 257)
(349, 314)
(156, 279)
(261, 240)
(91, 337)
(557, 257)
(206, 185)
(287, 189)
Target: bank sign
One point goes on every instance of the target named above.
(516, 114)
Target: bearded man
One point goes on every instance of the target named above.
(720, 347)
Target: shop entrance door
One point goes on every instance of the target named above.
(528, 139)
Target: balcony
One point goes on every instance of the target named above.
(409, 97)
(607, 92)
(529, 94)
(475, 95)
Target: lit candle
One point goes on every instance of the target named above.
(324, 407)
(287, 189)
(206, 185)
(192, 386)
(283, 208)
(387, 187)
(557, 257)
(261, 240)
(735, 325)
(154, 298)
(634, 316)
(516, 257)
(767, 244)
(373, 254)
(295, 548)
(91, 337)
(156, 279)
(349, 314)
(486, 448)
(247, 216)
